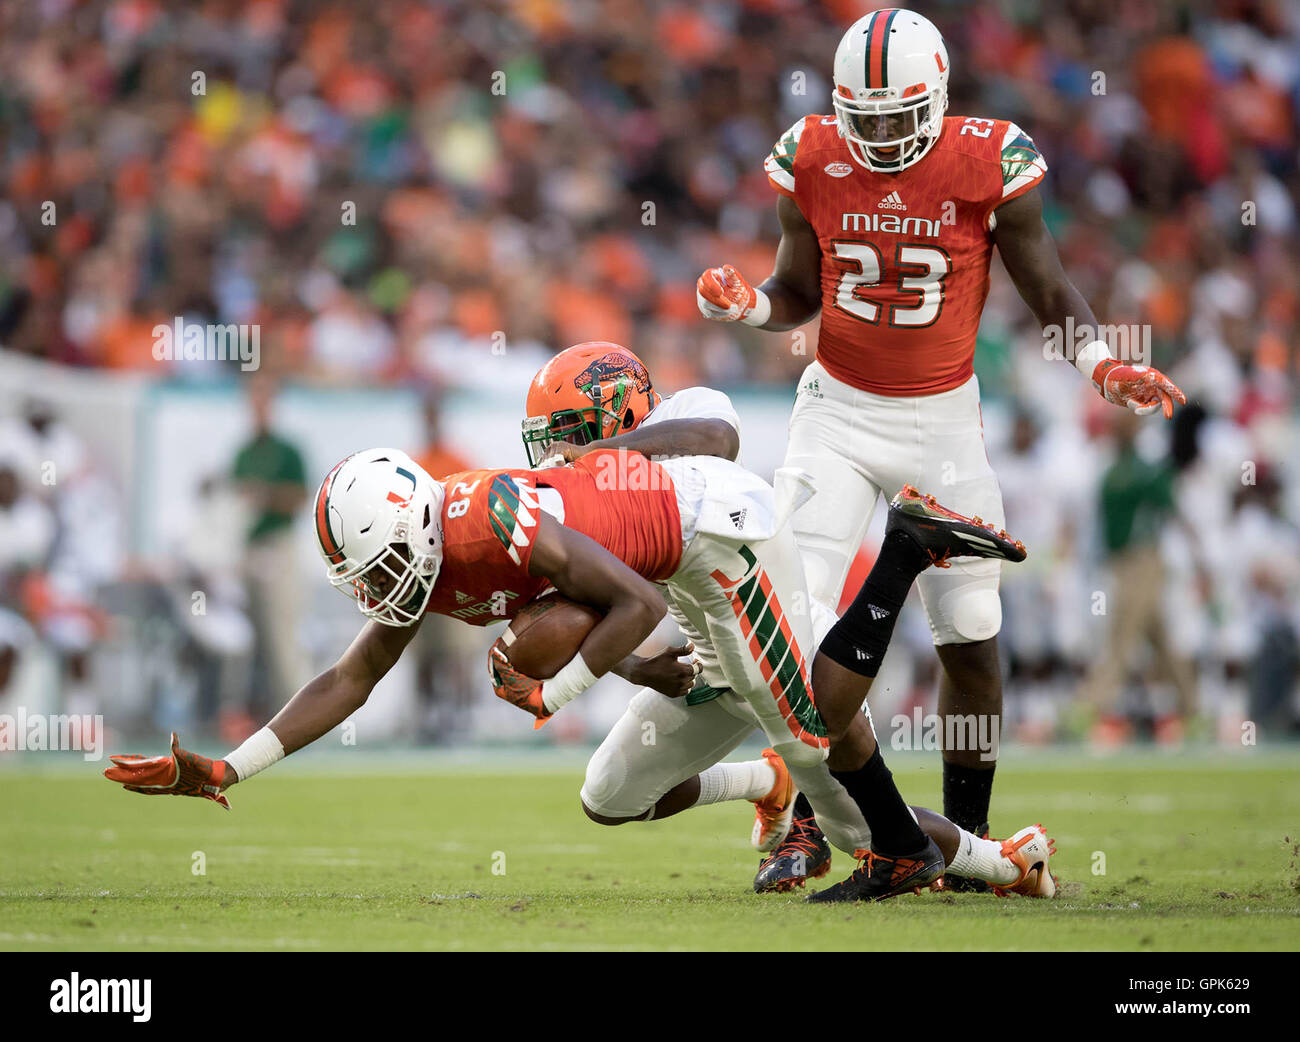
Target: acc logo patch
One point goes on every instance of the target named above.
(839, 169)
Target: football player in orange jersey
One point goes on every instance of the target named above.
(889, 212)
(604, 531)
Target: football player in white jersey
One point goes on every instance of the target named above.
(599, 395)
(889, 213)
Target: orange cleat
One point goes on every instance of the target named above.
(775, 811)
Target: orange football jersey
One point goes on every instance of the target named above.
(905, 256)
(622, 500)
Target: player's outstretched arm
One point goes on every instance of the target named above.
(789, 297)
(1029, 255)
(688, 436)
(584, 571)
(341, 690)
(317, 709)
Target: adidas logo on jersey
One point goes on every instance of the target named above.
(891, 202)
(738, 518)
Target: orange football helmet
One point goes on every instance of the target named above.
(586, 393)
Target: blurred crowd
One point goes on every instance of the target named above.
(399, 192)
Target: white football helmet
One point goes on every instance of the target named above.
(891, 89)
(379, 526)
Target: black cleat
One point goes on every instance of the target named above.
(965, 884)
(803, 855)
(944, 533)
(878, 877)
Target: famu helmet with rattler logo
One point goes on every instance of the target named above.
(586, 393)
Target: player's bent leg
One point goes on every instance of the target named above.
(649, 764)
(920, 532)
(757, 614)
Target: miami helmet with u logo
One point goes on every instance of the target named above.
(379, 528)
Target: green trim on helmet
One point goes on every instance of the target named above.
(578, 426)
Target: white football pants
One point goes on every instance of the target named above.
(857, 445)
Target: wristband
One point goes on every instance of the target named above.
(760, 312)
(1090, 356)
(256, 754)
(567, 684)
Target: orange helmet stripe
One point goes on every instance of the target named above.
(878, 47)
(328, 544)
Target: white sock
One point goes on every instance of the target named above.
(982, 859)
(751, 780)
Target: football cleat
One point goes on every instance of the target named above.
(1030, 850)
(803, 855)
(878, 877)
(944, 533)
(775, 811)
(966, 884)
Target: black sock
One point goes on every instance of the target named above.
(966, 792)
(802, 808)
(894, 832)
(858, 641)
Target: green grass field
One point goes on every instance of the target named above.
(1197, 856)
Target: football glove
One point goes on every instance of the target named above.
(724, 296)
(182, 773)
(516, 688)
(1140, 387)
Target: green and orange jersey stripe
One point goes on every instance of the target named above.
(877, 47)
(773, 648)
(328, 544)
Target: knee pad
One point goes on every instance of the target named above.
(966, 615)
(603, 788)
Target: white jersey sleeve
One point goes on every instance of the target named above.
(695, 403)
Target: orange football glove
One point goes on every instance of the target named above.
(182, 773)
(1140, 387)
(724, 296)
(516, 688)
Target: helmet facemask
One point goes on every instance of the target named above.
(605, 418)
(905, 128)
(391, 590)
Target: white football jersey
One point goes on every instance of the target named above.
(694, 403)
